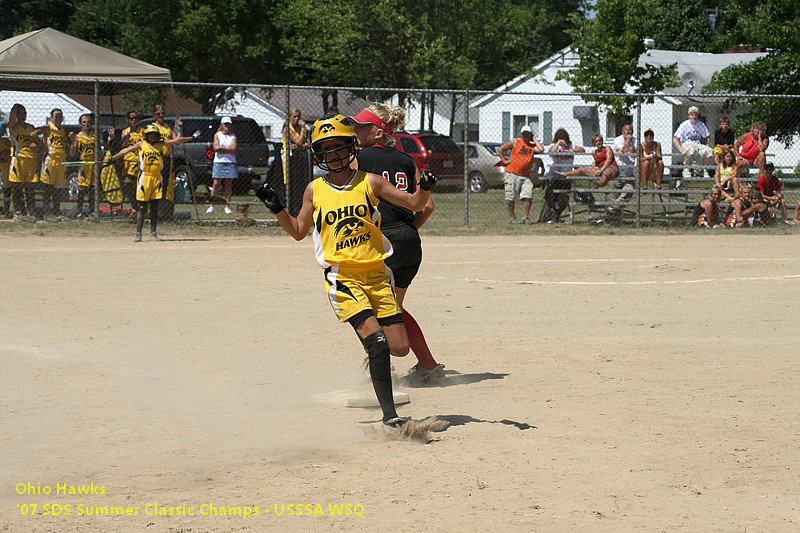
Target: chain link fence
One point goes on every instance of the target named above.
(469, 139)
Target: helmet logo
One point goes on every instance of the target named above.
(326, 128)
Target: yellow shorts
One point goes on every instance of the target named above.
(351, 291)
(131, 168)
(86, 177)
(148, 188)
(5, 169)
(54, 173)
(23, 170)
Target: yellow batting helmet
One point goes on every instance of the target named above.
(152, 128)
(328, 128)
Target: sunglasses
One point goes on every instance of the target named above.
(159, 114)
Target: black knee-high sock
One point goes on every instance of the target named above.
(30, 200)
(47, 196)
(7, 201)
(90, 192)
(140, 217)
(17, 197)
(154, 215)
(380, 371)
(79, 200)
(56, 195)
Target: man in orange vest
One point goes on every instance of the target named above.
(517, 182)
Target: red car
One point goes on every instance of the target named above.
(435, 152)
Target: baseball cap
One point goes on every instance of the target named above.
(525, 129)
(694, 109)
(368, 117)
(226, 120)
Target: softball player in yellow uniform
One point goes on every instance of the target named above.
(54, 174)
(153, 168)
(83, 144)
(5, 168)
(342, 208)
(22, 174)
(130, 136)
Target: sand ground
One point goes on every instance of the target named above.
(596, 383)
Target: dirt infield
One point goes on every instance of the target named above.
(606, 383)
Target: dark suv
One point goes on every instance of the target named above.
(194, 160)
(435, 152)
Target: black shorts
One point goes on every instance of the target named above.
(407, 255)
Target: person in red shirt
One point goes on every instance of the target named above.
(751, 149)
(770, 186)
(517, 182)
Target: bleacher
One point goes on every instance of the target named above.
(672, 204)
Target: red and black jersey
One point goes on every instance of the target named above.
(399, 169)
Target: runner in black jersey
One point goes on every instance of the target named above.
(374, 126)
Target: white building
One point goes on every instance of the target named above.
(38, 105)
(521, 102)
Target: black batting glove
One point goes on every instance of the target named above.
(269, 197)
(427, 179)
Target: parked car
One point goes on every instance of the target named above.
(194, 160)
(435, 152)
(484, 171)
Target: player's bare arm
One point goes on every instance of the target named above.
(387, 191)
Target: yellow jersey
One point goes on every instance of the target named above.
(166, 132)
(57, 140)
(85, 146)
(151, 159)
(21, 139)
(347, 224)
(133, 138)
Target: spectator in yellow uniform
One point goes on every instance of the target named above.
(54, 173)
(83, 144)
(168, 206)
(131, 136)
(23, 160)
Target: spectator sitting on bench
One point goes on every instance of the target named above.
(692, 139)
(562, 143)
(752, 149)
(759, 214)
(625, 147)
(605, 168)
(706, 212)
(770, 186)
(725, 176)
(724, 139)
(797, 213)
(651, 163)
(733, 218)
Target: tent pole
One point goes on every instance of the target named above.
(96, 198)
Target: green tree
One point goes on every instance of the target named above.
(772, 25)
(210, 41)
(609, 59)
(22, 16)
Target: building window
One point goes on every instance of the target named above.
(614, 125)
(526, 120)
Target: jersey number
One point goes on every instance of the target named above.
(400, 178)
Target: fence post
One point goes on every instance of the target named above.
(287, 146)
(96, 167)
(637, 170)
(466, 158)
